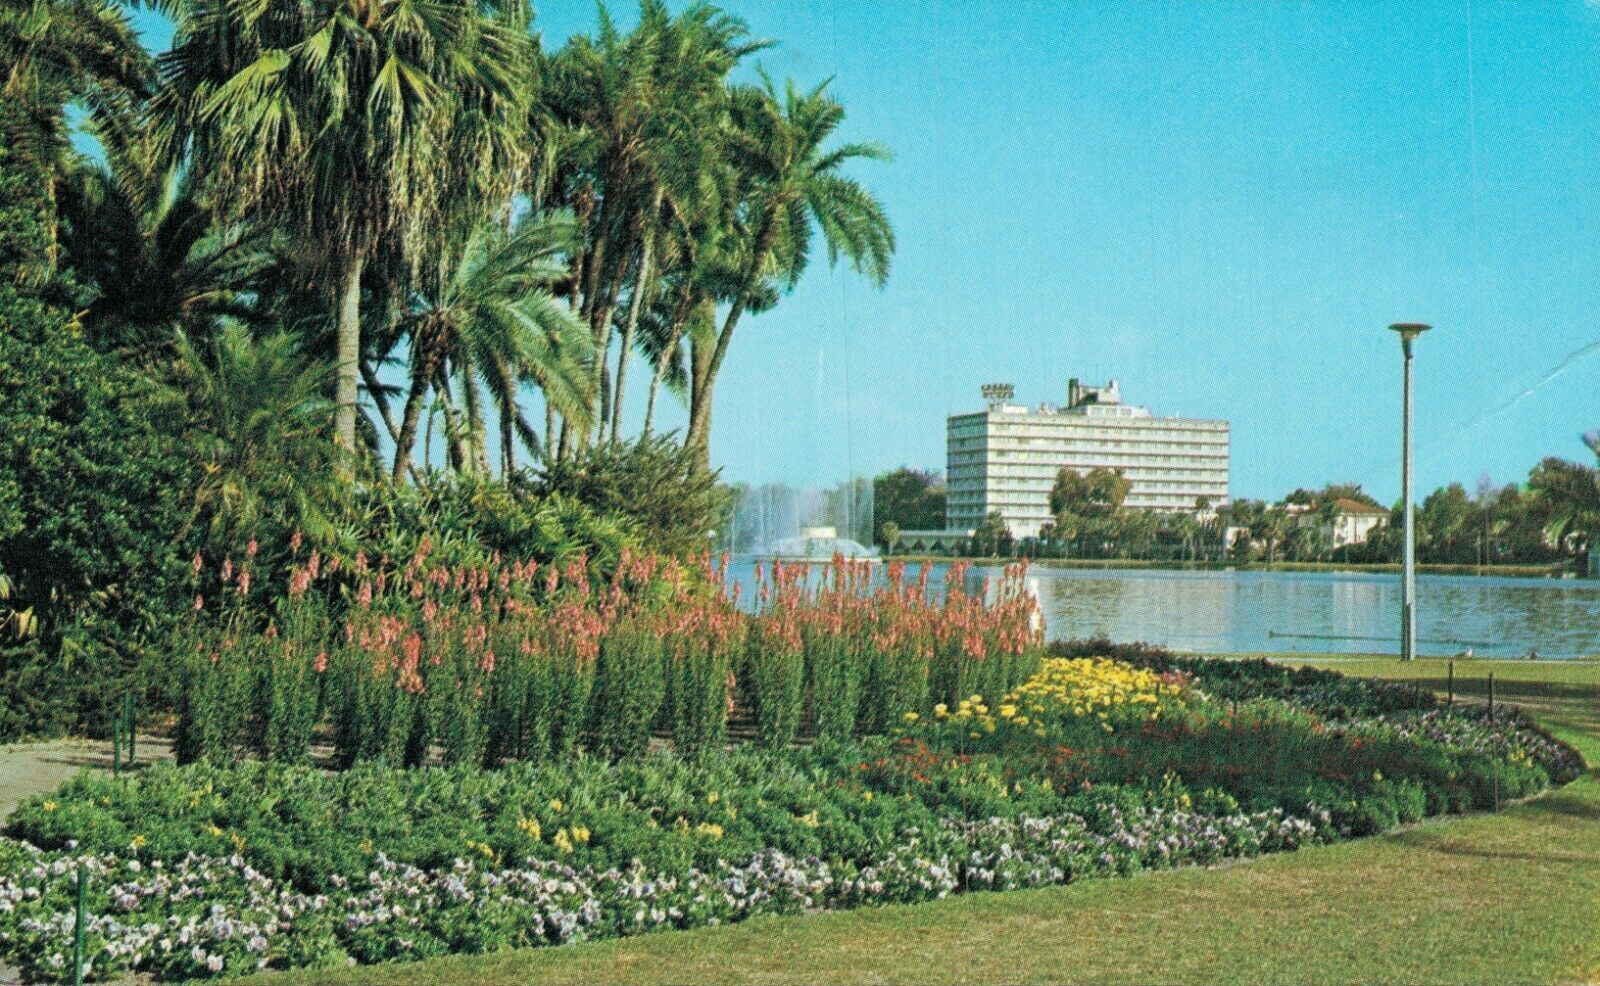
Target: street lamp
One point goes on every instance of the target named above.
(1408, 578)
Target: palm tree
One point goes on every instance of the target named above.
(55, 52)
(494, 317)
(1569, 494)
(791, 185)
(259, 422)
(355, 123)
(648, 108)
(683, 178)
(152, 261)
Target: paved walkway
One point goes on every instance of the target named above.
(27, 769)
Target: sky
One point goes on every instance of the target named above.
(1222, 206)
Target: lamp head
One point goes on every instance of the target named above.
(1410, 330)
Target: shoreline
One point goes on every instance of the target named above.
(1554, 571)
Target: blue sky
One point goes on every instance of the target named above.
(1220, 205)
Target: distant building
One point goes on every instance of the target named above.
(1352, 521)
(1006, 457)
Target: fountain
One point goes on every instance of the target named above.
(776, 521)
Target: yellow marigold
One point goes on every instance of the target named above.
(911, 717)
(530, 828)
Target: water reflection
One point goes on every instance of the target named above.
(1226, 611)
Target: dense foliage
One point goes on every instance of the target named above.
(319, 247)
(909, 500)
(1092, 768)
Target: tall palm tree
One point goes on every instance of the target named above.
(56, 52)
(494, 317)
(792, 185)
(650, 107)
(351, 122)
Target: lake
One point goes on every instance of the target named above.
(1342, 612)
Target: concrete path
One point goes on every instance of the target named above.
(27, 769)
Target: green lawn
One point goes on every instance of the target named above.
(1512, 897)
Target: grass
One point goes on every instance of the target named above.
(1510, 897)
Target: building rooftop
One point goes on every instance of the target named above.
(1083, 400)
(1345, 505)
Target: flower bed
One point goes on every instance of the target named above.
(1092, 768)
(397, 663)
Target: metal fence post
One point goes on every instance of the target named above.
(127, 722)
(78, 928)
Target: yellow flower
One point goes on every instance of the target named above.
(238, 843)
(941, 710)
(137, 843)
(911, 717)
(530, 828)
(712, 798)
(215, 831)
(709, 830)
(49, 806)
(366, 845)
(809, 820)
(1008, 711)
(561, 841)
(580, 834)
(556, 805)
(866, 796)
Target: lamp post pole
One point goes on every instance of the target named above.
(1408, 578)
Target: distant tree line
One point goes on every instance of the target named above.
(1551, 518)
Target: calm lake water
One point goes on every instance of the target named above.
(1341, 612)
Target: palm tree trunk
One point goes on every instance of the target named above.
(422, 371)
(509, 414)
(347, 384)
(472, 403)
(427, 438)
(699, 435)
(549, 430)
(680, 318)
(641, 285)
(375, 388)
(655, 387)
(455, 443)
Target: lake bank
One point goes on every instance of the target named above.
(1558, 570)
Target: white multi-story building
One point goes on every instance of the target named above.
(1006, 458)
